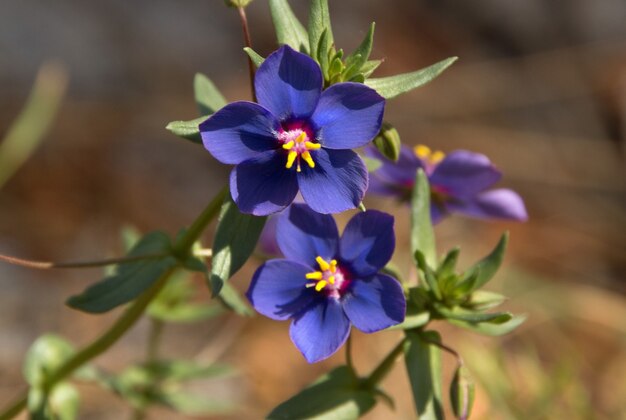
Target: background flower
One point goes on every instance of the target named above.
(327, 283)
(296, 138)
(459, 183)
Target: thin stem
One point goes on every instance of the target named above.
(444, 347)
(16, 408)
(46, 265)
(385, 366)
(248, 42)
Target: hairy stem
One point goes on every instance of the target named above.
(248, 42)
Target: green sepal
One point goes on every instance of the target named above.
(131, 279)
(392, 86)
(482, 300)
(429, 275)
(422, 233)
(189, 130)
(235, 239)
(388, 142)
(208, 97)
(462, 389)
(488, 266)
(448, 264)
(257, 59)
(289, 30)
(423, 365)
(336, 395)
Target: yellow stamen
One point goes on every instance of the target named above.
(422, 151)
(323, 264)
(333, 266)
(298, 168)
(291, 157)
(331, 279)
(301, 137)
(320, 285)
(308, 159)
(316, 275)
(288, 145)
(437, 157)
(312, 146)
(309, 285)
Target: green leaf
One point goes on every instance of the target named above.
(235, 239)
(184, 370)
(465, 315)
(323, 59)
(388, 142)
(390, 87)
(44, 357)
(188, 130)
(488, 266)
(257, 60)
(448, 264)
(359, 57)
(289, 30)
(233, 300)
(423, 365)
(208, 97)
(319, 22)
(413, 319)
(429, 275)
(487, 328)
(372, 164)
(131, 279)
(462, 391)
(482, 300)
(336, 395)
(183, 402)
(368, 68)
(422, 233)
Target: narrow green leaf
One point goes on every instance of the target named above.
(257, 60)
(319, 21)
(448, 264)
(482, 300)
(488, 266)
(323, 58)
(289, 30)
(184, 312)
(208, 97)
(429, 275)
(388, 142)
(232, 299)
(423, 365)
(462, 391)
(371, 164)
(487, 328)
(359, 57)
(189, 130)
(369, 67)
(235, 239)
(336, 395)
(422, 233)
(413, 320)
(390, 87)
(465, 315)
(130, 279)
(185, 370)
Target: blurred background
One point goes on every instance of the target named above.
(540, 87)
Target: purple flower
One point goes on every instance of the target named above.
(459, 183)
(296, 138)
(327, 283)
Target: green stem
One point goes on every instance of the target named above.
(44, 265)
(385, 366)
(130, 316)
(154, 339)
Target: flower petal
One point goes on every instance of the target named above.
(401, 173)
(367, 242)
(320, 330)
(262, 185)
(348, 115)
(288, 83)
(278, 289)
(337, 183)
(494, 204)
(239, 131)
(303, 234)
(463, 174)
(375, 304)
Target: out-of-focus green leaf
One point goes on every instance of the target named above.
(189, 130)
(423, 364)
(388, 142)
(30, 127)
(45, 355)
(289, 30)
(208, 97)
(319, 22)
(390, 87)
(482, 300)
(422, 233)
(257, 60)
(465, 315)
(130, 279)
(193, 405)
(487, 328)
(184, 370)
(359, 57)
(336, 395)
(61, 403)
(488, 266)
(462, 391)
(413, 319)
(429, 275)
(232, 299)
(448, 264)
(235, 239)
(368, 68)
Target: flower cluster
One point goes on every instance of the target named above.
(459, 183)
(327, 283)
(297, 138)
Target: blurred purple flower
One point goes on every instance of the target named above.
(296, 138)
(326, 283)
(459, 183)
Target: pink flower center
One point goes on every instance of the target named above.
(299, 143)
(330, 279)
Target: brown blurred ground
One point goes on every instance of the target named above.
(540, 88)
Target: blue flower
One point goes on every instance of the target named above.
(328, 283)
(459, 183)
(297, 138)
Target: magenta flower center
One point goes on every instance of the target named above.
(298, 140)
(330, 279)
